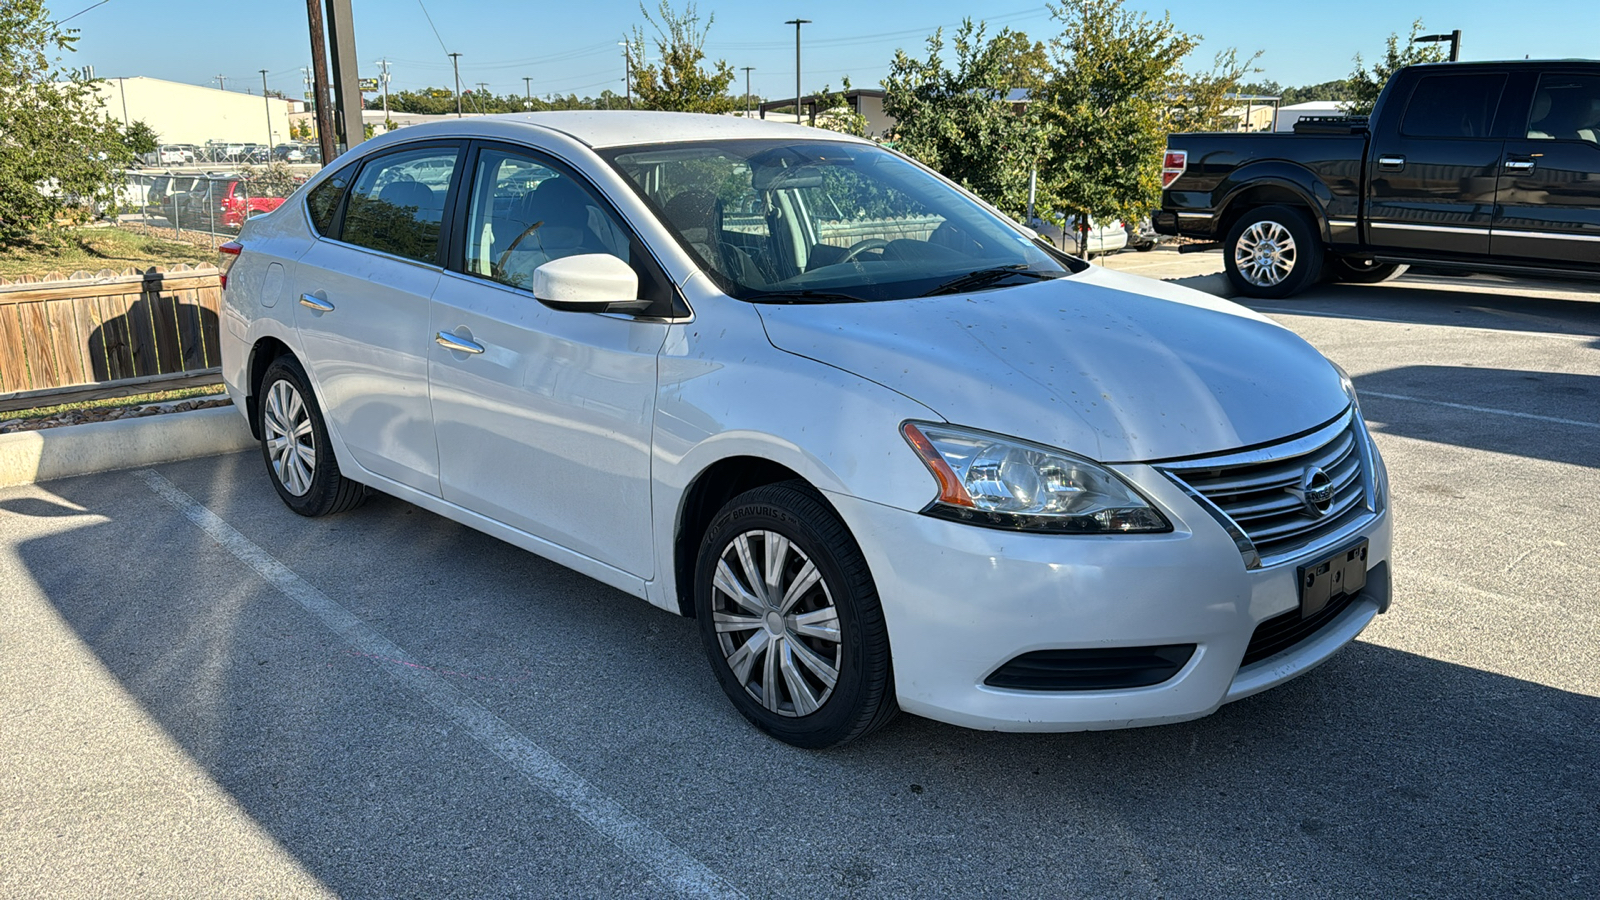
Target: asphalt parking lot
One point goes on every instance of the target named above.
(202, 694)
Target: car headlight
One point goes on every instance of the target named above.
(1001, 482)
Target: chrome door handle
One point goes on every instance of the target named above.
(1392, 163)
(456, 342)
(1520, 166)
(311, 302)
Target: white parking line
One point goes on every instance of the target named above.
(635, 838)
(1582, 338)
(1483, 409)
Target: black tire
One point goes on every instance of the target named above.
(1299, 262)
(1351, 270)
(317, 489)
(862, 697)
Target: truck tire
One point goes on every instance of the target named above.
(1273, 252)
(1353, 270)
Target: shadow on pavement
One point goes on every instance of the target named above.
(1556, 395)
(1382, 773)
(1402, 302)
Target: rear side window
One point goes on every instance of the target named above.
(1453, 106)
(1566, 108)
(397, 203)
(323, 201)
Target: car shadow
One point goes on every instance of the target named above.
(1543, 415)
(1381, 773)
(1431, 302)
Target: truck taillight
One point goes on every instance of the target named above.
(1172, 166)
(226, 255)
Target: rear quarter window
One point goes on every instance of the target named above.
(323, 201)
(1453, 106)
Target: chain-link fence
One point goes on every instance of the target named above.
(204, 204)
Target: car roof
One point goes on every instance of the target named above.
(616, 128)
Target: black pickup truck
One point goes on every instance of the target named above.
(1480, 167)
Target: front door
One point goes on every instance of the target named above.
(1549, 198)
(362, 312)
(1432, 179)
(544, 421)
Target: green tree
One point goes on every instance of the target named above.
(1338, 89)
(1116, 86)
(958, 120)
(1209, 101)
(679, 82)
(57, 150)
(835, 113)
(1365, 84)
(140, 138)
(1024, 62)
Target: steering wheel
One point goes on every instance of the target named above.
(860, 247)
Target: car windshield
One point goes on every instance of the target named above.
(827, 221)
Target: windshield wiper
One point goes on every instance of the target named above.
(804, 297)
(985, 277)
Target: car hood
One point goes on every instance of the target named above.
(1104, 364)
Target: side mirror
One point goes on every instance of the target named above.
(588, 282)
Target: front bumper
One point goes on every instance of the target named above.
(960, 601)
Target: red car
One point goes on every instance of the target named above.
(225, 202)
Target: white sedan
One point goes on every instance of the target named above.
(888, 448)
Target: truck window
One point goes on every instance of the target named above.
(1566, 108)
(1453, 106)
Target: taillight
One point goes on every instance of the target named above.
(226, 255)
(1173, 165)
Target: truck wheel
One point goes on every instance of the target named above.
(1273, 252)
(1351, 270)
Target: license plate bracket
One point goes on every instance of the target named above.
(1334, 576)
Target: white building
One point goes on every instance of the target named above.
(191, 114)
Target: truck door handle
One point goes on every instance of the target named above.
(1391, 163)
(1519, 166)
(311, 302)
(457, 343)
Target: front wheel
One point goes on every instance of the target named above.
(1273, 252)
(294, 443)
(790, 618)
(1351, 270)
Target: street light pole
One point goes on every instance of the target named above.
(797, 97)
(267, 102)
(455, 63)
(747, 71)
(1453, 37)
(527, 91)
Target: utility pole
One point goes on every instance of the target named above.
(383, 82)
(346, 86)
(222, 81)
(797, 97)
(267, 102)
(747, 71)
(627, 71)
(319, 82)
(455, 63)
(527, 92)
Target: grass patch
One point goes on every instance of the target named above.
(93, 249)
(40, 412)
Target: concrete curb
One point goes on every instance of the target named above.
(51, 453)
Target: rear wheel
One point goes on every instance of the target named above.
(1273, 252)
(294, 444)
(790, 618)
(1352, 270)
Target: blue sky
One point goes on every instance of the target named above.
(572, 47)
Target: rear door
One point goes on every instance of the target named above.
(1549, 196)
(362, 310)
(1435, 166)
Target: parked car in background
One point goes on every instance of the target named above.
(289, 153)
(226, 202)
(166, 193)
(170, 155)
(1468, 167)
(1104, 238)
(943, 467)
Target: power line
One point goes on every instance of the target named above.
(81, 12)
(435, 28)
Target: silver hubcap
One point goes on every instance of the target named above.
(1265, 254)
(776, 623)
(290, 444)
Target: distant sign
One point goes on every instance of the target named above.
(368, 84)
(311, 95)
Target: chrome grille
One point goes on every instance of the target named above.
(1252, 489)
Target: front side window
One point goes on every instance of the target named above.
(1453, 106)
(525, 213)
(397, 203)
(824, 221)
(1566, 108)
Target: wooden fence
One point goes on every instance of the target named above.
(107, 334)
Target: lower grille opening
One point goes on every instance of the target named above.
(1091, 670)
(1284, 630)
